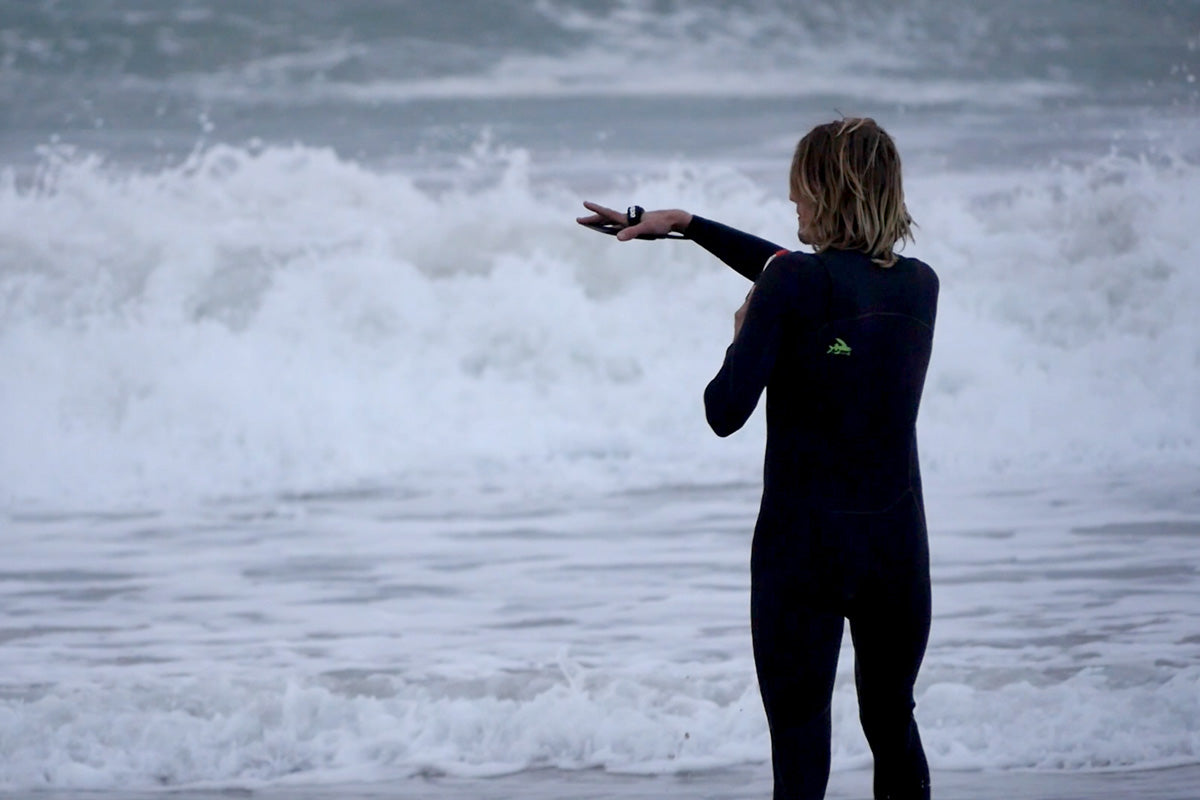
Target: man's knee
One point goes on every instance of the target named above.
(885, 714)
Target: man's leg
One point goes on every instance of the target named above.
(795, 654)
(890, 630)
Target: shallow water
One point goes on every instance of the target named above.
(379, 634)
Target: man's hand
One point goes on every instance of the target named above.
(739, 316)
(653, 222)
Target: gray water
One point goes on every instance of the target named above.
(420, 82)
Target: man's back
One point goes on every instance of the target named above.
(843, 395)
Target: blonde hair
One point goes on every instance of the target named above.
(850, 171)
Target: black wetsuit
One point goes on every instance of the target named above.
(842, 346)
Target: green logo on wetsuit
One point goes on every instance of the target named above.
(838, 348)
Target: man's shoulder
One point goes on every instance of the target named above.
(799, 280)
(797, 265)
(921, 270)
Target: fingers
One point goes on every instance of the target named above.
(602, 214)
(632, 231)
(655, 223)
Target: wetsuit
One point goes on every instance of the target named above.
(842, 347)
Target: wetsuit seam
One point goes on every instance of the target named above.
(899, 499)
(829, 282)
(917, 320)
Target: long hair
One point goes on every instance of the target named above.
(850, 171)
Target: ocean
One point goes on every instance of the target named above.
(334, 453)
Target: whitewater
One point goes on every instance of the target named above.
(285, 319)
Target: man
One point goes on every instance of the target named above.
(841, 340)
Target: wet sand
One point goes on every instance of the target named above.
(1176, 783)
(755, 784)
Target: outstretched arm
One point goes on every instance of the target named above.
(747, 254)
(743, 252)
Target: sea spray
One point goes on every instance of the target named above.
(283, 318)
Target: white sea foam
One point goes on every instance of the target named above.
(221, 731)
(260, 321)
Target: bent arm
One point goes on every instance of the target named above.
(747, 254)
(730, 398)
